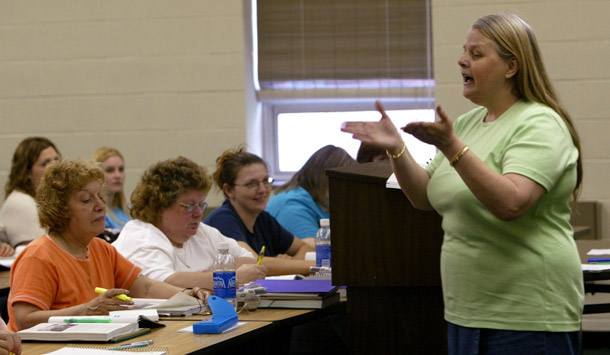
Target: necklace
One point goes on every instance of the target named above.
(177, 253)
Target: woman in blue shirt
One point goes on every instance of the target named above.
(113, 165)
(300, 203)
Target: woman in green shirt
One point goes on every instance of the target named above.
(502, 181)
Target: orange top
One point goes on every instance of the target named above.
(48, 277)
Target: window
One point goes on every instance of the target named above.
(317, 63)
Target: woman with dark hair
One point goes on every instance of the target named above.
(300, 203)
(56, 275)
(18, 217)
(245, 182)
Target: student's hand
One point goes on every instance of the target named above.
(199, 293)
(9, 343)
(6, 249)
(250, 272)
(106, 302)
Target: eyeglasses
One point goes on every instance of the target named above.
(190, 208)
(253, 184)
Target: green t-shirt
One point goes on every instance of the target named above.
(523, 274)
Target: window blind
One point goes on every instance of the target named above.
(339, 44)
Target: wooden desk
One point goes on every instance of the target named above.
(269, 329)
(182, 343)
(4, 278)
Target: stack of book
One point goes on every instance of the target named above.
(306, 294)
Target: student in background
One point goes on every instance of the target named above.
(56, 275)
(300, 203)
(502, 181)
(368, 153)
(245, 182)
(167, 239)
(18, 216)
(113, 165)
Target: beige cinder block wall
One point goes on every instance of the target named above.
(575, 43)
(156, 78)
(153, 78)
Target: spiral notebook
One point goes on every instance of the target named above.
(103, 350)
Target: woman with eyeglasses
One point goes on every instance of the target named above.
(245, 182)
(166, 237)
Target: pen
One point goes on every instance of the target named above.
(260, 255)
(87, 320)
(597, 260)
(139, 344)
(122, 296)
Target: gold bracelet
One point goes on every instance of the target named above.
(402, 151)
(459, 155)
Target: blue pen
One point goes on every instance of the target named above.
(139, 344)
(597, 260)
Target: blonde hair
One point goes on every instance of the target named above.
(513, 37)
(59, 182)
(100, 156)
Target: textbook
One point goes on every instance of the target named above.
(77, 331)
(179, 305)
(298, 293)
(145, 318)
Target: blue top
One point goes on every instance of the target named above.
(119, 220)
(267, 230)
(297, 211)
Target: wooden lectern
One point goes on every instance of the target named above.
(388, 255)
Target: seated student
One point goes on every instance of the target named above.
(167, 239)
(10, 342)
(300, 203)
(245, 182)
(56, 275)
(368, 153)
(113, 165)
(18, 215)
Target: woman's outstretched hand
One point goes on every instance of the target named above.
(381, 134)
(439, 133)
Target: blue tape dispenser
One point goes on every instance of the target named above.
(223, 317)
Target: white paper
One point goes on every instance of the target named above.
(595, 267)
(599, 252)
(8, 261)
(392, 182)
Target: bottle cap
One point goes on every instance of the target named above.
(324, 222)
(223, 245)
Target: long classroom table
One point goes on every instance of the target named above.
(265, 331)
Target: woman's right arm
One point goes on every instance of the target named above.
(28, 315)
(412, 178)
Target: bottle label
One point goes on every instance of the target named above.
(323, 255)
(225, 285)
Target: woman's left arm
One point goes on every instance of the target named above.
(299, 248)
(144, 287)
(507, 196)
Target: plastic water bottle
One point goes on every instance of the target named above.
(323, 244)
(225, 282)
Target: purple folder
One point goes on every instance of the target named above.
(297, 286)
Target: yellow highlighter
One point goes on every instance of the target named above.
(260, 255)
(122, 296)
